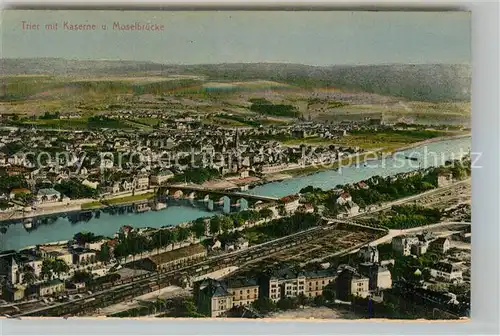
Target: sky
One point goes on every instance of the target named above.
(314, 38)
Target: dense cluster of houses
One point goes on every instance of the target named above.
(24, 275)
(218, 297)
(115, 161)
(450, 271)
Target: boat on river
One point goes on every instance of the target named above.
(411, 158)
(28, 223)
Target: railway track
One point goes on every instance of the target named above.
(123, 290)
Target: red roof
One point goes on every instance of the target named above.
(112, 242)
(345, 195)
(289, 198)
(127, 228)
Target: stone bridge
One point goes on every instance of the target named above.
(213, 198)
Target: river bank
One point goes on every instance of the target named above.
(76, 205)
(222, 184)
(107, 224)
(433, 140)
(363, 157)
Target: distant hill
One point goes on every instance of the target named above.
(432, 82)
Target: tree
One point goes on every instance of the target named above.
(187, 308)
(361, 204)
(226, 224)
(163, 237)
(75, 190)
(282, 210)
(319, 300)
(81, 276)
(29, 276)
(288, 303)
(266, 213)
(237, 219)
(4, 205)
(82, 238)
(104, 254)
(183, 233)
(264, 305)
(25, 197)
(215, 225)
(329, 292)
(302, 300)
(46, 272)
(59, 266)
(198, 227)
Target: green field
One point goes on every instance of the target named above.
(251, 102)
(77, 123)
(358, 158)
(91, 205)
(386, 140)
(129, 199)
(119, 200)
(147, 121)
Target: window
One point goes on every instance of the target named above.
(241, 292)
(316, 283)
(323, 282)
(248, 297)
(248, 290)
(255, 290)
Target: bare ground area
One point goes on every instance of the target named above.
(163, 293)
(313, 313)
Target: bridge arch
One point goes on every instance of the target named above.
(243, 204)
(225, 202)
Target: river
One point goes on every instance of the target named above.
(62, 228)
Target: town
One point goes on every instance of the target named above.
(394, 244)
(49, 169)
(232, 190)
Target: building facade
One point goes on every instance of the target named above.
(215, 298)
(351, 283)
(402, 244)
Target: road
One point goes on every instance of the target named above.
(139, 285)
(60, 207)
(413, 198)
(395, 233)
(461, 245)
